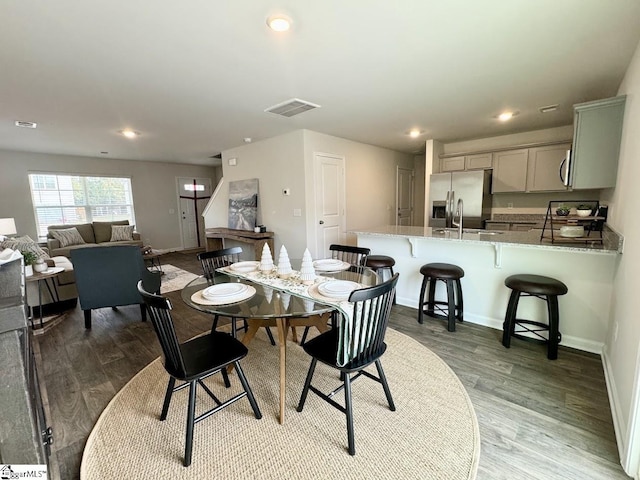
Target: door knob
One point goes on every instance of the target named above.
(321, 222)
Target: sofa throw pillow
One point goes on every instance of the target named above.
(24, 244)
(67, 236)
(120, 233)
(103, 229)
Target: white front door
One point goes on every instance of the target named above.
(330, 202)
(193, 195)
(404, 196)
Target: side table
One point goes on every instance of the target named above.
(43, 278)
(154, 261)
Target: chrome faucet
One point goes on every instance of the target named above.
(459, 209)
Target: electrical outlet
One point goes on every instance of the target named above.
(297, 212)
(509, 205)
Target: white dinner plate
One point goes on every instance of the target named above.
(245, 267)
(224, 290)
(330, 265)
(198, 298)
(338, 289)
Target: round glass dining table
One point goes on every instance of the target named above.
(270, 306)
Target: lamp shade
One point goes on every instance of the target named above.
(7, 226)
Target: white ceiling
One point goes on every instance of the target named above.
(195, 76)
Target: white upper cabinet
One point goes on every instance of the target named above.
(480, 161)
(510, 171)
(596, 143)
(452, 164)
(544, 168)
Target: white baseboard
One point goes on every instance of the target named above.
(616, 412)
(578, 343)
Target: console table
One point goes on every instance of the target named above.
(217, 236)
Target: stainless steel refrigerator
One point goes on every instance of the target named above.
(473, 187)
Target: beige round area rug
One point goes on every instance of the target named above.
(433, 434)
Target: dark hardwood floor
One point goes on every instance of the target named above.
(538, 419)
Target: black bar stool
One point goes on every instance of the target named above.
(381, 264)
(450, 275)
(544, 288)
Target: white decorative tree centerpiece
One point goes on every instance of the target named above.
(266, 262)
(284, 264)
(307, 272)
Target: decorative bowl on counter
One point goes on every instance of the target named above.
(562, 211)
(572, 231)
(583, 210)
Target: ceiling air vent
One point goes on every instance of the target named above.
(292, 107)
(22, 124)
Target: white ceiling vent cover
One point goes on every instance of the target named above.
(292, 107)
(20, 123)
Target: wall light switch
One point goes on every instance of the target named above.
(233, 161)
(297, 212)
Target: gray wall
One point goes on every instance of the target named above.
(153, 184)
(622, 349)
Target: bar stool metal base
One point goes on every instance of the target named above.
(546, 289)
(452, 309)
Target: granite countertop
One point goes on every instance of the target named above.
(611, 244)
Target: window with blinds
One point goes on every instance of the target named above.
(69, 199)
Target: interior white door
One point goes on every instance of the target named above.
(404, 196)
(330, 202)
(193, 195)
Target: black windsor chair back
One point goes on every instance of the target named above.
(351, 347)
(349, 253)
(210, 261)
(194, 361)
(215, 259)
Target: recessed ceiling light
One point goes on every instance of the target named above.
(415, 132)
(279, 23)
(127, 132)
(505, 116)
(247, 140)
(23, 124)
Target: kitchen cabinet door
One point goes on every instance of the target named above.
(452, 164)
(510, 171)
(497, 226)
(522, 227)
(480, 161)
(597, 131)
(544, 168)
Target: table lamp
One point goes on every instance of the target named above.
(7, 227)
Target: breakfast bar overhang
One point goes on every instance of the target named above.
(488, 258)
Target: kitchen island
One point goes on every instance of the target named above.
(488, 257)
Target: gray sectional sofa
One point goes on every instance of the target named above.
(96, 234)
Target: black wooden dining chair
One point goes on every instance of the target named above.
(352, 347)
(192, 362)
(349, 253)
(215, 259)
